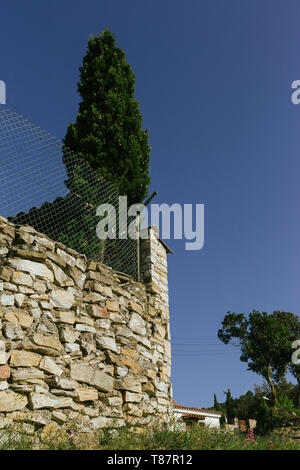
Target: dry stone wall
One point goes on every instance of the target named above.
(84, 346)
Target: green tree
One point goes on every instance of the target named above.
(245, 406)
(263, 416)
(229, 405)
(107, 133)
(263, 390)
(216, 403)
(265, 341)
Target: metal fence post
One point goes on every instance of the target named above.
(138, 247)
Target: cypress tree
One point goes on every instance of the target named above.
(216, 403)
(229, 404)
(108, 132)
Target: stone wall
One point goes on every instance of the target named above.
(84, 346)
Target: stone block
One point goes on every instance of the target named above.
(97, 312)
(132, 397)
(130, 383)
(61, 298)
(33, 268)
(103, 381)
(39, 401)
(68, 334)
(137, 324)
(106, 342)
(82, 373)
(65, 317)
(4, 372)
(24, 359)
(50, 367)
(112, 306)
(49, 341)
(87, 394)
(7, 300)
(11, 401)
(22, 278)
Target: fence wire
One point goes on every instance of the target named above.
(45, 185)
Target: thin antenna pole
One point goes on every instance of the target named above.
(138, 247)
(150, 198)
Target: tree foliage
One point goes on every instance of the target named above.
(259, 405)
(107, 133)
(229, 406)
(264, 339)
(216, 403)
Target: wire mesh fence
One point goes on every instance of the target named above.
(45, 185)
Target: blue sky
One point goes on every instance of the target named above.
(213, 79)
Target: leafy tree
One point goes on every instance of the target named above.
(263, 390)
(245, 406)
(263, 417)
(107, 133)
(264, 340)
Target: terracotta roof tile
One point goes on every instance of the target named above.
(197, 409)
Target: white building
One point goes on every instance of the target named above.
(188, 415)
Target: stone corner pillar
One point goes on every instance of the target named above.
(154, 274)
(154, 266)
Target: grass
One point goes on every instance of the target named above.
(197, 438)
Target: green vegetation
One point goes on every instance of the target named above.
(229, 407)
(259, 406)
(107, 133)
(197, 438)
(265, 341)
(105, 153)
(244, 407)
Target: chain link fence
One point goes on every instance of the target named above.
(45, 185)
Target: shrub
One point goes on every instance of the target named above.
(272, 418)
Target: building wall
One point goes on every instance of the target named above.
(85, 345)
(211, 420)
